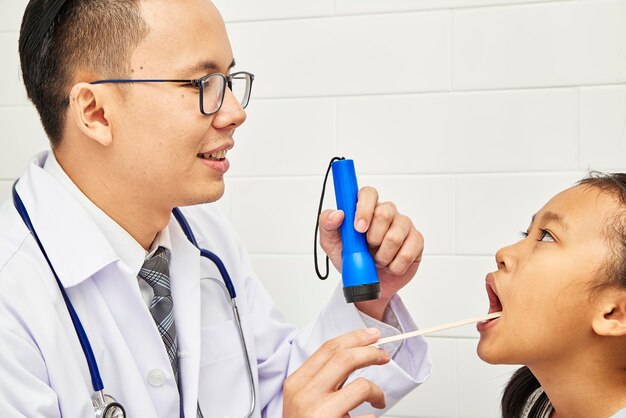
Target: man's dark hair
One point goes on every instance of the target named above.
(60, 37)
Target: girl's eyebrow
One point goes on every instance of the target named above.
(551, 216)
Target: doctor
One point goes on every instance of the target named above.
(125, 153)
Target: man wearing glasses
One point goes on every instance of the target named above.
(140, 102)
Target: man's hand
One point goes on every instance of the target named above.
(316, 389)
(393, 240)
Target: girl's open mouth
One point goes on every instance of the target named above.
(494, 301)
(495, 305)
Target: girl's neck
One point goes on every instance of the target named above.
(583, 388)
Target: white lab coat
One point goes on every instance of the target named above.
(42, 368)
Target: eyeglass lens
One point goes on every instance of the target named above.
(214, 89)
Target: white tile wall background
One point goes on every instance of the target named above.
(469, 114)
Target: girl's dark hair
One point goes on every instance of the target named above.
(523, 383)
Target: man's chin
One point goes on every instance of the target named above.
(204, 196)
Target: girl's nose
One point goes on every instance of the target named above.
(505, 258)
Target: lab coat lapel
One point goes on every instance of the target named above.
(130, 330)
(185, 282)
(63, 227)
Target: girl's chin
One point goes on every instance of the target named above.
(492, 353)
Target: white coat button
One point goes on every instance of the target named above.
(156, 377)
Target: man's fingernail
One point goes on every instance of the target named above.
(372, 331)
(332, 215)
(361, 225)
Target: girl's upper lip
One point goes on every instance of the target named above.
(495, 304)
(491, 281)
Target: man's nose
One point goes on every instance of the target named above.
(231, 114)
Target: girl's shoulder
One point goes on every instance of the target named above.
(538, 405)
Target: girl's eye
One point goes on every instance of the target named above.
(546, 236)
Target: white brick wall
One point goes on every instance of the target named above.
(467, 113)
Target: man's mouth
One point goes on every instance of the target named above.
(213, 156)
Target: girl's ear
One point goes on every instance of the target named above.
(610, 319)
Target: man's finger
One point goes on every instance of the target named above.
(365, 206)
(383, 218)
(358, 338)
(356, 393)
(410, 253)
(330, 239)
(394, 239)
(330, 219)
(343, 363)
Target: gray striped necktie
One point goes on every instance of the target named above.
(156, 272)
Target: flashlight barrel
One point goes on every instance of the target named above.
(358, 271)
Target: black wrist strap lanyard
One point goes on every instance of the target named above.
(317, 221)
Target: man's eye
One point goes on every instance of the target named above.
(546, 236)
(194, 84)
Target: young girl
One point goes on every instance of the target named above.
(562, 293)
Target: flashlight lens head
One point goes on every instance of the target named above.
(362, 292)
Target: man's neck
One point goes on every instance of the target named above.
(587, 387)
(142, 219)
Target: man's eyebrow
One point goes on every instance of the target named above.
(551, 216)
(207, 66)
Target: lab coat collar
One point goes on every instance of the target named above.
(129, 251)
(161, 240)
(75, 245)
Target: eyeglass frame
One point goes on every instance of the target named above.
(198, 82)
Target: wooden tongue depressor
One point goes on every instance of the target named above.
(437, 328)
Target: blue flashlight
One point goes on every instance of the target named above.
(358, 271)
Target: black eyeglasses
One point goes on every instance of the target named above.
(212, 88)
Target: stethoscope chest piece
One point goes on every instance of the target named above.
(105, 406)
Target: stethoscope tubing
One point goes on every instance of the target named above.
(244, 346)
(92, 364)
(205, 253)
(230, 288)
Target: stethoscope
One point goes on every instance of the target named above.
(105, 406)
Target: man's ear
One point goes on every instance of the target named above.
(610, 319)
(87, 112)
